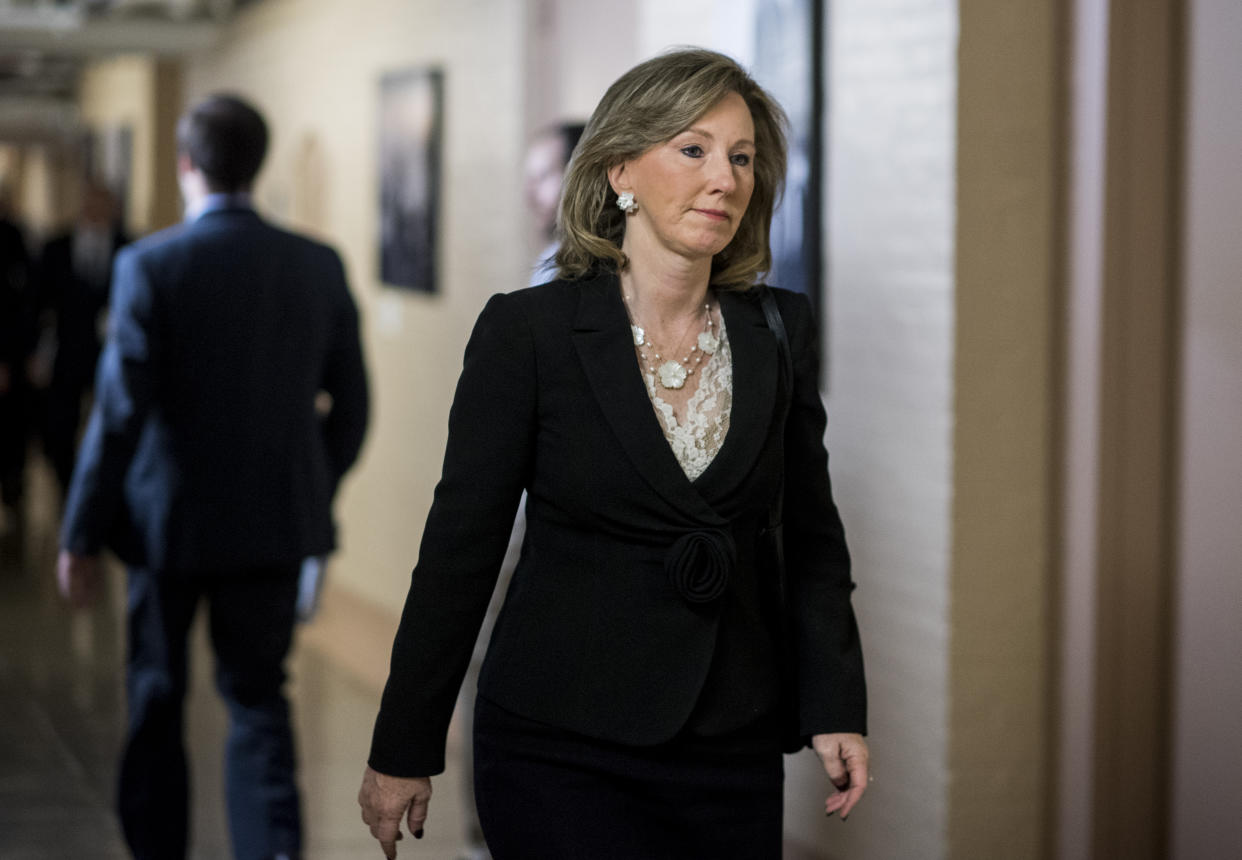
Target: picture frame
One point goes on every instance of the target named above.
(789, 62)
(411, 120)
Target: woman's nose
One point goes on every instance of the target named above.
(723, 177)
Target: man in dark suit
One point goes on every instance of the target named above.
(16, 345)
(75, 279)
(209, 468)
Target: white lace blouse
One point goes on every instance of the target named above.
(697, 440)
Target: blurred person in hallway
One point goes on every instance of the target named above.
(75, 280)
(547, 157)
(660, 644)
(17, 342)
(208, 468)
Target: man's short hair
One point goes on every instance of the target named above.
(226, 139)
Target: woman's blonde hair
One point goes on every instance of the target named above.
(648, 105)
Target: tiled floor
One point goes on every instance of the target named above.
(61, 713)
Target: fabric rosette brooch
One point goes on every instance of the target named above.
(699, 564)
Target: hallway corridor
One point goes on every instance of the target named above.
(62, 715)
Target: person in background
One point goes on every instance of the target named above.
(17, 342)
(547, 157)
(209, 469)
(75, 280)
(660, 408)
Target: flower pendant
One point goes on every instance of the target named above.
(708, 343)
(640, 336)
(672, 374)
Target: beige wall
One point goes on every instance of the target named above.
(1207, 783)
(890, 333)
(1002, 584)
(120, 92)
(1079, 520)
(35, 196)
(313, 67)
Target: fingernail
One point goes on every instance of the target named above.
(418, 834)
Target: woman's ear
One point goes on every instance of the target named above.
(618, 179)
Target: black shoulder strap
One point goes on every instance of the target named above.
(792, 738)
(785, 390)
(777, 326)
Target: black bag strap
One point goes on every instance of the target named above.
(791, 736)
(777, 326)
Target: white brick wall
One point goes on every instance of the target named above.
(889, 330)
(1207, 784)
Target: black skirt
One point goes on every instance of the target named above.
(544, 793)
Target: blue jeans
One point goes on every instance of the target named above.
(251, 614)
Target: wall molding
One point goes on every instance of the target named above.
(1137, 434)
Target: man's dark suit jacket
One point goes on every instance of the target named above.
(17, 335)
(204, 449)
(593, 636)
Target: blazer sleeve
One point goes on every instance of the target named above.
(124, 390)
(486, 465)
(345, 379)
(830, 683)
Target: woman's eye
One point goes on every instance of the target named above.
(693, 150)
(741, 159)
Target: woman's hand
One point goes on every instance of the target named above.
(845, 758)
(384, 799)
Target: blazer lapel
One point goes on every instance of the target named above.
(605, 347)
(754, 393)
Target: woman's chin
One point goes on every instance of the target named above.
(705, 247)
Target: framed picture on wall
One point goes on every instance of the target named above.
(789, 63)
(411, 119)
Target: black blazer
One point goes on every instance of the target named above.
(594, 636)
(18, 311)
(204, 448)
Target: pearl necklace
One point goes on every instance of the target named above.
(671, 373)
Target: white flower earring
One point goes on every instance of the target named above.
(625, 202)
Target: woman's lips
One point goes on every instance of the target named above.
(714, 214)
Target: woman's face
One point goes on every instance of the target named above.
(545, 170)
(692, 190)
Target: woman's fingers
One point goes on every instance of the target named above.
(389, 846)
(846, 761)
(387, 831)
(417, 816)
(856, 767)
(830, 754)
(385, 800)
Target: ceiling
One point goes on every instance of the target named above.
(45, 43)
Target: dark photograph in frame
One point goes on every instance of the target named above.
(789, 63)
(411, 118)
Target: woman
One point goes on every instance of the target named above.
(630, 705)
